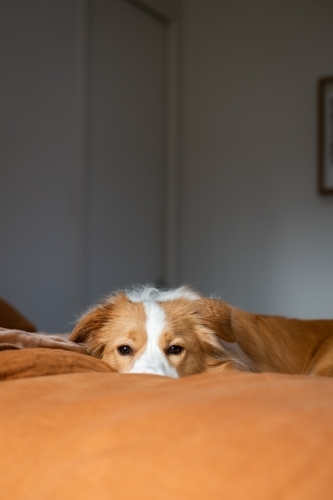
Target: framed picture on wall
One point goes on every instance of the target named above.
(325, 135)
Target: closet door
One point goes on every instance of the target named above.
(124, 198)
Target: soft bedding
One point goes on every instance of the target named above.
(70, 428)
(102, 435)
(25, 363)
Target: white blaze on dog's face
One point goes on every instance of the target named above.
(148, 332)
(156, 352)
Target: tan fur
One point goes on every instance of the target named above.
(110, 325)
(119, 321)
(276, 344)
(214, 335)
(202, 350)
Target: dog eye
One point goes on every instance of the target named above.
(175, 349)
(124, 350)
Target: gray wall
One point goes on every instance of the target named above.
(82, 153)
(253, 227)
(38, 224)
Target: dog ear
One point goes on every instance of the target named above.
(86, 330)
(216, 315)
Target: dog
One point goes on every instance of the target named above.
(178, 332)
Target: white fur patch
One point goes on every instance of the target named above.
(153, 360)
(148, 293)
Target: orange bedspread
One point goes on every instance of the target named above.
(109, 436)
(38, 362)
(70, 429)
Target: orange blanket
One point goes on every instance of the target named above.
(230, 436)
(36, 362)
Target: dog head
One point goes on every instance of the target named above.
(172, 333)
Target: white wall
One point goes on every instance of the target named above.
(253, 227)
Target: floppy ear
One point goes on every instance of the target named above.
(216, 315)
(86, 331)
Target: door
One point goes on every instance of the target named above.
(126, 148)
(79, 218)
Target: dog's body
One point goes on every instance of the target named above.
(178, 332)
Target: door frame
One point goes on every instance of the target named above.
(168, 12)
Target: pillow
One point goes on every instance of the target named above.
(24, 363)
(11, 318)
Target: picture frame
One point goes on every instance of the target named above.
(325, 135)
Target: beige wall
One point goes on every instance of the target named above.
(253, 227)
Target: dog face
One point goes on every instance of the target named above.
(172, 333)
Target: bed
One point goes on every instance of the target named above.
(70, 428)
